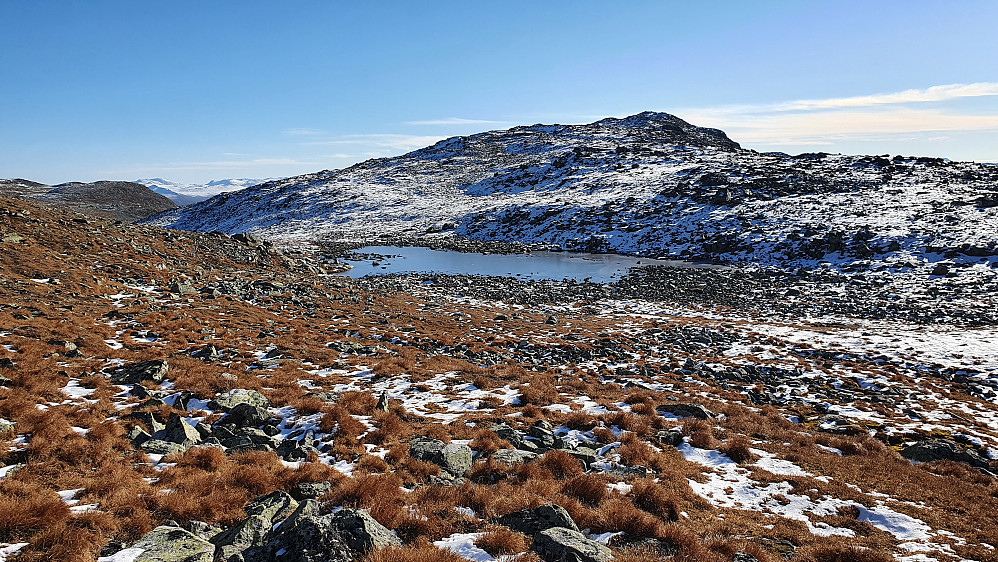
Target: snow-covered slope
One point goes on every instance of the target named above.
(649, 184)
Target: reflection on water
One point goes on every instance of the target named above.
(598, 268)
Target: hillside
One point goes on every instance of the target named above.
(650, 184)
(185, 393)
(124, 201)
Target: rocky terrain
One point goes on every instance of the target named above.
(124, 201)
(180, 395)
(650, 184)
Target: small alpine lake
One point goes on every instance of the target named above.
(597, 268)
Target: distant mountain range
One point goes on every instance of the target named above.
(186, 194)
(125, 201)
(650, 184)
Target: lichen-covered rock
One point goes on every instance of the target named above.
(559, 544)
(162, 447)
(228, 400)
(513, 456)
(455, 459)
(261, 514)
(534, 520)
(173, 544)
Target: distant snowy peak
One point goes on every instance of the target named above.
(187, 193)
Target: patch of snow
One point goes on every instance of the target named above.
(463, 544)
(902, 526)
(7, 550)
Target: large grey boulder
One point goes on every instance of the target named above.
(261, 514)
(246, 415)
(154, 371)
(228, 400)
(173, 544)
(455, 459)
(307, 536)
(361, 532)
(534, 520)
(559, 544)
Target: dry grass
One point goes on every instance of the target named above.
(589, 489)
(737, 448)
(498, 541)
(211, 486)
(559, 464)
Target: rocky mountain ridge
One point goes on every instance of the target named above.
(650, 184)
(125, 201)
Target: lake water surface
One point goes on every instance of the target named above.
(598, 268)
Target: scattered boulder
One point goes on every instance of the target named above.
(68, 348)
(148, 419)
(295, 450)
(455, 459)
(307, 536)
(534, 520)
(181, 288)
(382, 402)
(180, 432)
(940, 269)
(559, 544)
(513, 456)
(207, 353)
(154, 371)
(246, 415)
(361, 532)
(162, 447)
(262, 513)
(928, 450)
(226, 401)
(673, 437)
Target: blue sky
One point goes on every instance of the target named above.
(193, 91)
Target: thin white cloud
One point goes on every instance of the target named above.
(827, 121)
(456, 121)
(944, 93)
(301, 132)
